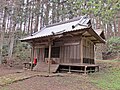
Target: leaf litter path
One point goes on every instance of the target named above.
(18, 76)
(30, 80)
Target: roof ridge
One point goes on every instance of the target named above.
(39, 30)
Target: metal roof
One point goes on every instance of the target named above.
(59, 28)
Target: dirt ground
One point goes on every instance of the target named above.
(59, 82)
(50, 83)
(4, 70)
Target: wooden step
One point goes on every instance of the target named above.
(43, 67)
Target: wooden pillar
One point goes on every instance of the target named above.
(81, 50)
(85, 70)
(49, 58)
(98, 69)
(32, 56)
(69, 69)
(94, 53)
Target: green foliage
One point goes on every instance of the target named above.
(105, 9)
(109, 79)
(114, 44)
(22, 51)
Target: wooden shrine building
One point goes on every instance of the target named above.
(65, 46)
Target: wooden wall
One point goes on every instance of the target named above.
(70, 53)
(88, 51)
(70, 50)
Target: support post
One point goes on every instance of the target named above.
(81, 50)
(32, 57)
(97, 68)
(85, 71)
(94, 54)
(69, 69)
(49, 57)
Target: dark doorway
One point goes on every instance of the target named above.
(55, 52)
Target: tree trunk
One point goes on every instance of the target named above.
(32, 17)
(53, 12)
(109, 31)
(119, 27)
(31, 26)
(37, 17)
(63, 14)
(47, 12)
(10, 51)
(41, 16)
(119, 24)
(58, 5)
(2, 32)
(115, 29)
(25, 21)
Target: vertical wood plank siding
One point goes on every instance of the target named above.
(88, 51)
(70, 50)
(70, 54)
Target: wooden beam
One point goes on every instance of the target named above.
(94, 40)
(94, 56)
(81, 50)
(69, 34)
(88, 36)
(41, 43)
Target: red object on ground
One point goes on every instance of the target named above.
(35, 61)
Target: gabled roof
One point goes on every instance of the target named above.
(75, 24)
(58, 28)
(100, 32)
